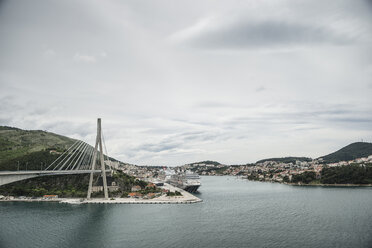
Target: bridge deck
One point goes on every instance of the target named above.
(14, 176)
(49, 172)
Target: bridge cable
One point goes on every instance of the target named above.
(76, 156)
(69, 165)
(84, 157)
(90, 159)
(61, 155)
(67, 155)
(104, 144)
(82, 161)
(78, 160)
(73, 155)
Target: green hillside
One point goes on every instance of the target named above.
(18, 145)
(206, 162)
(285, 159)
(350, 152)
(23, 149)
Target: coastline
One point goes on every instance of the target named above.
(170, 200)
(186, 198)
(331, 185)
(314, 184)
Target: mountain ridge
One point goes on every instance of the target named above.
(350, 152)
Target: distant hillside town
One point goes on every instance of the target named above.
(293, 170)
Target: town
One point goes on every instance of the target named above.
(281, 170)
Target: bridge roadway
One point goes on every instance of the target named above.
(14, 176)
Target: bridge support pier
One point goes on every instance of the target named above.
(103, 169)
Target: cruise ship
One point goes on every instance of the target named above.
(188, 181)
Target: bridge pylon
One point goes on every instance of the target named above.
(103, 169)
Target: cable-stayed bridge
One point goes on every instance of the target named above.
(80, 158)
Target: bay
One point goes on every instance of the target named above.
(234, 213)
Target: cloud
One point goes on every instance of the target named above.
(178, 140)
(85, 58)
(75, 129)
(49, 53)
(339, 116)
(156, 148)
(233, 81)
(215, 104)
(252, 34)
(260, 89)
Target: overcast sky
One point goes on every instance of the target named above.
(183, 81)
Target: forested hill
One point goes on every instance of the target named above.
(350, 152)
(24, 145)
(208, 162)
(285, 159)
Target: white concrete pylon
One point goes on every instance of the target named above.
(98, 142)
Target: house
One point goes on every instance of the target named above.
(151, 195)
(111, 185)
(134, 194)
(50, 196)
(136, 188)
(54, 151)
(150, 185)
